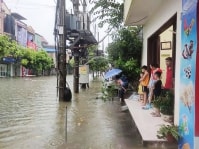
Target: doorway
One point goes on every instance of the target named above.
(162, 44)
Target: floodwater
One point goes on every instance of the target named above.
(31, 117)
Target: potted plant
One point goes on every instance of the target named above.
(167, 106)
(169, 132)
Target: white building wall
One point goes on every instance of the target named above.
(196, 142)
(168, 9)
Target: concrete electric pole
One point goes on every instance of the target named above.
(61, 49)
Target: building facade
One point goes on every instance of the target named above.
(170, 30)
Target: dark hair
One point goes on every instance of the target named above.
(117, 77)
(155, 65)
(144, 67)
(158, 73)
(168, 59)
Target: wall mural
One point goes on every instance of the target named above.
(187, 74)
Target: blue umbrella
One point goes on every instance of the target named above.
(112, 73)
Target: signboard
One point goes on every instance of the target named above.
(187, 74)
(84, 74)
(9, 60)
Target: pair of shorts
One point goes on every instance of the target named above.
(144, 89)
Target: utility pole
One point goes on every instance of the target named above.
(76, 53)
(61, 49)
(76, 71)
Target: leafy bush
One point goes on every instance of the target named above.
(166, 130)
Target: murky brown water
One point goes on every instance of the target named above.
(31, 117)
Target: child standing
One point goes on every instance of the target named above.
(140, 87)
(144, 80)
(157, 89)
(154, 68)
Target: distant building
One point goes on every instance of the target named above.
(31, 38)
(12, 24)
(38, 41)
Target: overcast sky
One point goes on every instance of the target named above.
(40, 14)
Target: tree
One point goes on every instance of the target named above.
(108, 12)
(125, 52)
(30, 59)
(98, 64)
(8, 47)
(36, 60)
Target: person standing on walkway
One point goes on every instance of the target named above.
(122, 82)
(154, 68)
(140, 88)
(157, 90)
(144, 80)
(169, 74)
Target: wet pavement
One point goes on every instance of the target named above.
(31, 117)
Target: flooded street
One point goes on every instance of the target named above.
(31, 117)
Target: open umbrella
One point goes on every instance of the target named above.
(112, 73)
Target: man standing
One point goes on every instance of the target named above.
(169, 74)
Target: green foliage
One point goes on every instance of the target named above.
(98, 64)
(91, 50)
(108, 91)
(35, 60)
(166, 130)
(8, 47)
(125, 52)
(165, 103)
(108, 12)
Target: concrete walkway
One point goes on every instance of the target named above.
(145, 122)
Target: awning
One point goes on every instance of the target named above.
(138, 12)
(87, 37)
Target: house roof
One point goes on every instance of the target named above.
(18, 16)
(30, 29)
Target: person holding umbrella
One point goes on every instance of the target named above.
(122, 82)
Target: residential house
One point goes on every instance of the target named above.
(170, 30)
(21, 38)
(31, 38)
(38, 41)
(6, 27)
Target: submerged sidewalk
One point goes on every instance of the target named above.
(145, 122)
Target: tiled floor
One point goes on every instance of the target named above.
(145, 122)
